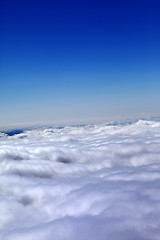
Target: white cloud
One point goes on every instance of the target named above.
(91, 182)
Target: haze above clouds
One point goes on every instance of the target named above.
(86, 182)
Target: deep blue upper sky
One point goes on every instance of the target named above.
(66, 60)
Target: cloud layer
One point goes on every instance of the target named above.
(87, 182)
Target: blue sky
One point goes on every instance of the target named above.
(78, 60)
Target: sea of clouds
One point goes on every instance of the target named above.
(97, 182)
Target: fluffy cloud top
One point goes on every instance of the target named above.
(89, 182)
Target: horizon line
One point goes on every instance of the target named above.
(35, 124)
